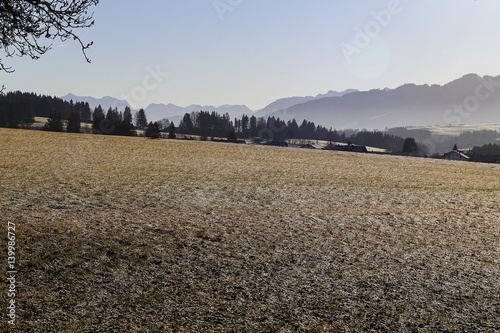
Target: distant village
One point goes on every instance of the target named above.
(454, 155)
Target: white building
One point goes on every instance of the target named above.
(456, 156)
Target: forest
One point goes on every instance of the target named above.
(487, 149)
(18, 109)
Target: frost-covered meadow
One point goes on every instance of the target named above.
(135, 235)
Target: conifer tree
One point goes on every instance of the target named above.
(231, 137)
(409, 146)
(74, 122)
(140, 119)
(54, 123)
(171, 132)
(153, 130)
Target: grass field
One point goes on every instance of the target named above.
(119, 234)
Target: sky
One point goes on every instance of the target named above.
(253, 52)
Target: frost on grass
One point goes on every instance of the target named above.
(134, 235)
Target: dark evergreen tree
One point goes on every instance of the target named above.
(74, 122)
(86, 115)
(307, 130)
(98, 112)
(126, 127)
(153, 130)
(3, 114)
(237, 125)
(409, 146)
(12, 119)
(140, 119)
(260, 127)
(186, 125)
(114, 116)
(8, 117)
(171, 131)
(487, 149)
(54, 123)
(203, 124)
(292, 130)
(98, 122)
(245, 122)
(127, 115)
(225, 125)
(232, 137)
(253, 126)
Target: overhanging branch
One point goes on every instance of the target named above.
(24, 24)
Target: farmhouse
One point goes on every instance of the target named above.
(456, 156)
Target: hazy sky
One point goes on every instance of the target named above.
(253, 52)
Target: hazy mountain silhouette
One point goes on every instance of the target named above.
(172, 112)
(468, 100)
(106, 102)
(285, 103)
(156, 112)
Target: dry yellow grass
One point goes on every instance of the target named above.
(135, 235)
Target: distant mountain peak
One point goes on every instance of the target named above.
(333, 93)
(470, 76)
(105, 102)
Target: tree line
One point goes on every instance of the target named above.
(19, 109)
(487, 149)
(271, 129)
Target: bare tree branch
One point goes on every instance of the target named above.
(26, 24)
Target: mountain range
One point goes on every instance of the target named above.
(106, 102)
(471, 99)
(155, 112)
(285, 103)
(171, 111)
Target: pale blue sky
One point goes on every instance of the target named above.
(264, 50)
